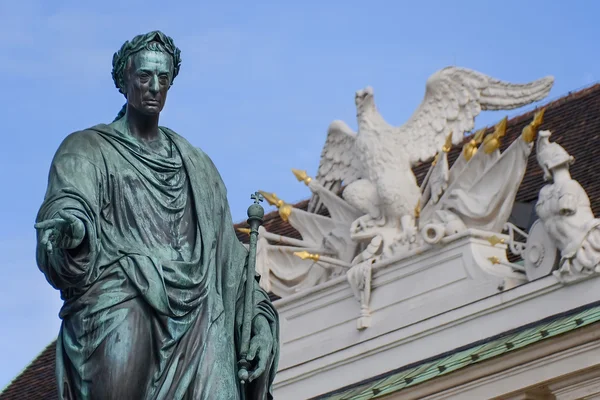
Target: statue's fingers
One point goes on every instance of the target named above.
(260, 368)
(47, 240)
(49, 247)
(49, 223)
(46, 237)
(252, 351)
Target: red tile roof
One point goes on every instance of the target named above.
(37, 381)
(575, 123)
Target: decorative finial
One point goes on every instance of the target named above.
(255, 210)
(302, 176)
(285, 210)
(530, 132)
(492, 142)
(470, 148)
(305, 255)
(257, 197)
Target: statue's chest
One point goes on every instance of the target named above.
(152, 204)
(154, 191)
(548, 204)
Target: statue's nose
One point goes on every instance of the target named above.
(154, 85)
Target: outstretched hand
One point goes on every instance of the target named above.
(261, 346)
(66, 232)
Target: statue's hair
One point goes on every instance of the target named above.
(154, 41)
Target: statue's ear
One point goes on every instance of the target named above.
(123, 86)
(123, 79)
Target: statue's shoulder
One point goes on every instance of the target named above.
(86, 143)
(196, 154)
(187, 147)
(573, 187)
(546, 189)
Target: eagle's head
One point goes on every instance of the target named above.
(364, 100)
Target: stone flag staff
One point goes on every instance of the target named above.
(161, 300)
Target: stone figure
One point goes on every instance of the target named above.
(564, 208)
(135, 232)
(375, 164)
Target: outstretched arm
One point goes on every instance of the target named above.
(66, 222)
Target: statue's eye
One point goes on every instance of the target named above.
(164, 79)
(144, 76)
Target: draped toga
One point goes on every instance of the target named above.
(153, 296)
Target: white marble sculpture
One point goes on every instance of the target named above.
(383, 218)
(376, 163)
(479, 191)
(564, 208)
(472, 198)
(283, 272)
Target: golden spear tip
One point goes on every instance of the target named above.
(478, 136)
(491, 142)
(470, 148)
(500, 130)
(538, 118)
(530, 131)
(285, 210)
(272, 199)
(448, 145)
(305, 255)
(301, 175)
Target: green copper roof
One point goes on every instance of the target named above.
(441, 365)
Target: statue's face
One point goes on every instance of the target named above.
(148, 78)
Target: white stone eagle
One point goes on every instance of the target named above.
(375, 164)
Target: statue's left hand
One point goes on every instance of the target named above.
(261, 346)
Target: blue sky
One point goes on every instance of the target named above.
(259, 84)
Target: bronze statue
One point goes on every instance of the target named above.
(136, 233)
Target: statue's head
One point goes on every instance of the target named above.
(551, 156)
(144, 69)
(364, 99)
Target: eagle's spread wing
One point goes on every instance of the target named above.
(453, 98)
(339, 163)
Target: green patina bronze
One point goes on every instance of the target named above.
(136, 233)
